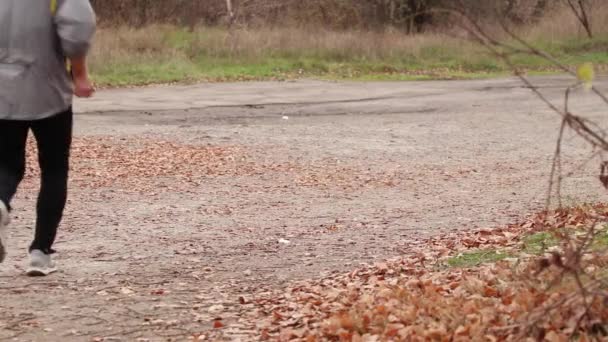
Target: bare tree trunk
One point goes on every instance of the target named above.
(539, 9)
(393, 12)
(193, 16)
(142, 18)
(230, 12)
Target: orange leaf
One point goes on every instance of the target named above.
(366, 321)
(490, 292)
(392, 333)
(264, 335)
(347, 322)
(381, 309)
(552, 336)
(462, 330)
(346, 337)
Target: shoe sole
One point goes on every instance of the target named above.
(36, 272)
(2, 250)
(2, 235)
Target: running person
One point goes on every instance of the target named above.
(38, 38)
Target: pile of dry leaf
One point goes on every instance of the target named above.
(147, 165)
(555, 295)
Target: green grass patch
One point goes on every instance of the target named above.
(124, 74)
(476, 258)
(539, 242)
(535, 244)
(601, 240)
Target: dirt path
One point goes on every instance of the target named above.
(200, 196)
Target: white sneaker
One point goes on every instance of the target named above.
(41, 264)
(5, 219)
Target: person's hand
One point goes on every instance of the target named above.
(83, 87)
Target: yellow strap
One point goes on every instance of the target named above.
(53, 6)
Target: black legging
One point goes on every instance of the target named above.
(54, 138)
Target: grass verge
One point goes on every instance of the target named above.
(167, 54)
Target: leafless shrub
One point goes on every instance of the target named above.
(576, 256)
(406, 15)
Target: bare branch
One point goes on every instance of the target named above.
(556, 167)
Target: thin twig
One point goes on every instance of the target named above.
(556, 167)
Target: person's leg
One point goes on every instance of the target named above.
(13, 136)
(54, 138)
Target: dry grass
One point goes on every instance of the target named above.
(169, 42)
(562, 24)
(164, 53)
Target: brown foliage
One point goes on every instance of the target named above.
(555, 296)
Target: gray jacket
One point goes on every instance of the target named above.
(36, 37)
